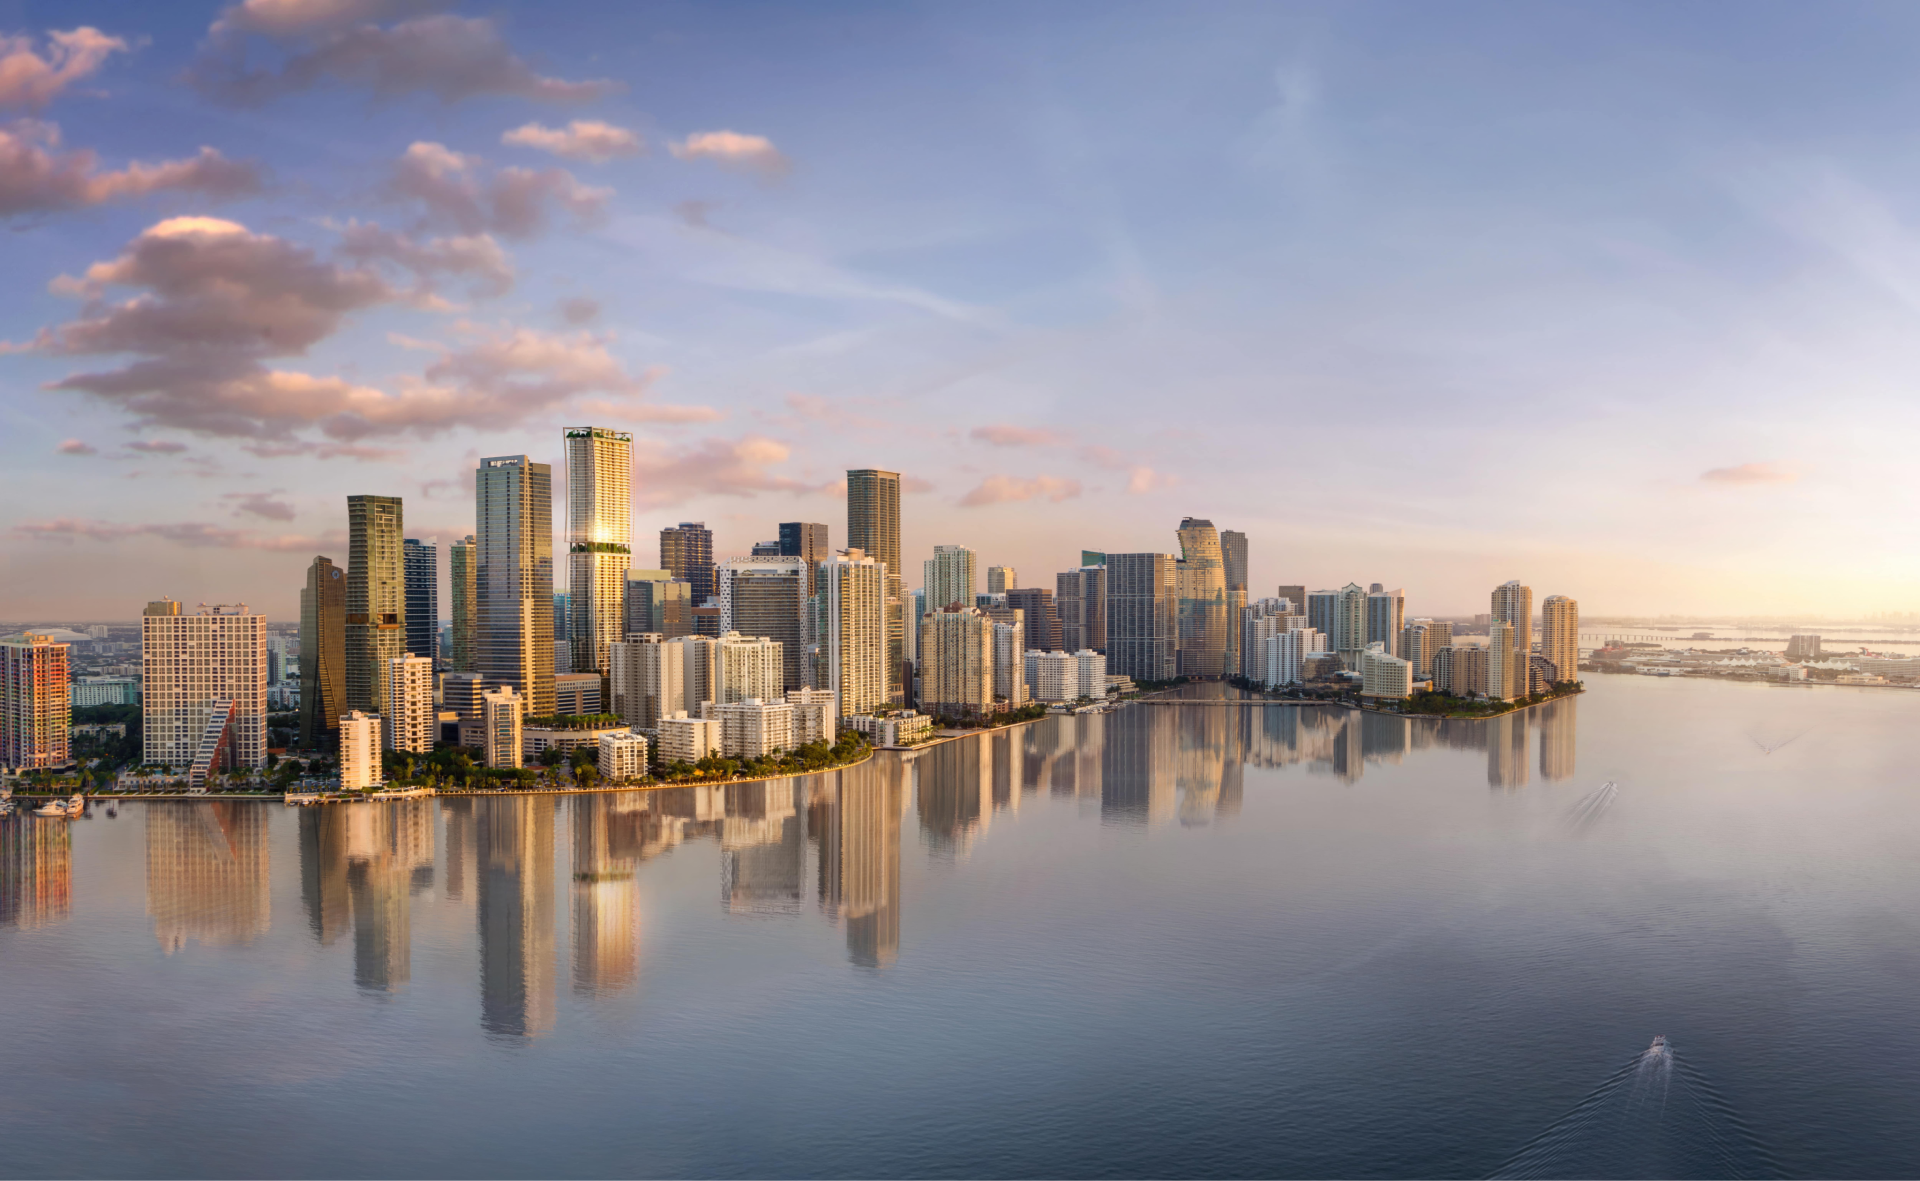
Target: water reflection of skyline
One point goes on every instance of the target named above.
(834, 839)
(36, 871)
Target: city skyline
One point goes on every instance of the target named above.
(769, 285)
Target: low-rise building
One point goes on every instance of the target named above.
(682, 739)
(1055, 676)
(1090, 668)
(91, 691)
(539, 735)
(815, 716)
(900, 729)
(412, 722)
(623, 756)
(576, 693)
(360, 767)
(502, 711)
(753, 728)
(1383, 675)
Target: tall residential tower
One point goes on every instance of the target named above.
(513, 578)
(376, 598)
(599, 541)
(873, 527)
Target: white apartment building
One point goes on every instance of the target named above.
(901, 729)
(1056, 676)
(411, 721)
(683, 739)
(949, 577)
(538, 740)
(814, 717)
(1506, 666)
(360, 768)
(1091, 668)
(1383, 674)
(623, 756)
(501, 713)
(1287, 652)
(850, 631)
(750, 667)
(754, 728)
(205, 686)
(1009, 661)
(766, 596)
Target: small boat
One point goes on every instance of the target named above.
(64, 809)
(1659, 1045)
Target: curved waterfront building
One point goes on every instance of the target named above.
(1201, 585)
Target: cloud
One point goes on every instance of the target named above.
(1750, 473)
(579, 310)
(694, 214)
(514, 202)
(450, 57)
(31, 78)
(36, 177)
(1001, 435)
(582, 139)
(753, 153)
(156, 446)
(1142, 479)
(1002, 489)
(193, 534)
(76, 447)
(260, 504)
(712, 467)
(477, 258)
(648, 412)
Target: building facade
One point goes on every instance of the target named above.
(503, 714)
(323, 654)
(422, 562)
(686, 552)
(359, 752)
(623, 757)
(1001, 579)
(658, 602)
(956, 663)
(599, 541)
(850, 631)
(460, 579)
(1035, 603)
(1009, 664)
(808, 541)
(684, 739)
(204, 706)
(1384, 675)
(814, 717)
(1560, 635)
(1386, 616)
(36, 704)
(1142, 616)
(873, 528)
(949, 577)
(1080, 602)
(1513, 604)
(513, 509)
(767, 596)
(376, 597)
(753, 728)
(412, 723)
(1201, 584)
(750, 668)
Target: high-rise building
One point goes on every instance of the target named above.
(360, 765)
(1346, 625)
(1560, 635)
(1009, 664)
(1287, 653)
(599, 541)
(1513, 603)
(1804, 647)
(766, 549)
(1043, 622)
(1233, 561)
(748, 666)
(1386, 615)
(658, 602)
(1259, 622)
(873, 527)
(1506, 676)
(513, 578)
(686, 552)
(376, 598)
(422, 562)
(956, 664)
(204, 703)
(1142, 616)
(767, 596)
(36, 704)
(460, 569)
(1080, 603)
(1000, 580)
(411, 722)
(850, 631)
(502, 712)
(1296, 595)
(807, 541)
(1201, 585)
(323, 654)
(1383, 674)
(949, 576)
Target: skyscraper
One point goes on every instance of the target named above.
(204, 696)
(1043, 623)
(658, 602)
(767, 597)
(1201, 585)
(461, 567)
(323, 654)
(850, 631)
(1142, 616)
(1349, 637)
(1297, 595)
(949, 575)
(422, 563)
(873, 527)
(513, 578)
(599, 541)
(1233, 560)
(1001, 579)
(36, 704)
(1560, 636)
(1080, 601)
(376, 598)
(686, 552)
(808, 541)
(1513, 603)
(408, 719)
(956, 662)
(1386, 616)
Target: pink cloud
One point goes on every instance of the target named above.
(731, 149)
(453, 191)
(579, 310)
(260, 504)
(31, 78)
(36, 177)
(1750, 473)
(76, 447)
(157, 446)
(193, 534)
(1003, 489)
(712, 467)
(582, 139)
(1002, 435)
(1145, 479)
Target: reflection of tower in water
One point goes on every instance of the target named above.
(762, 853)
(605, 948)
(207, 872)
(515, 856)
(954, 793)
(1506, 750)
(1556, 720)
(457, 814)
(1200, 764)
(856, 820)
(1141, 771)
(389, 858)
(323, 871)
(36, 871)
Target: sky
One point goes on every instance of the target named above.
(1617, 299)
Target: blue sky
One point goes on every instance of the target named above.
(1616, 299)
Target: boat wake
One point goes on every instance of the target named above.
(1592, 806)
(1773, 742)
(1656, 1117)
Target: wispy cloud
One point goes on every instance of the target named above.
(1750, 473)
(1002, 489)
(582, 139)
(1003, 435)
(37, 177)
(753, 153)
(32, 77)
(193, 534)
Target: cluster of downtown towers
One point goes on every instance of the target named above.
(843, 617)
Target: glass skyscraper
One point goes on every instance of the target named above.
(376, 598)
(599, 541)
(1202, 583)
(423, 598)
(873, 526)
(513, 578)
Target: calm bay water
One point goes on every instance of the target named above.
(1192, 940)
